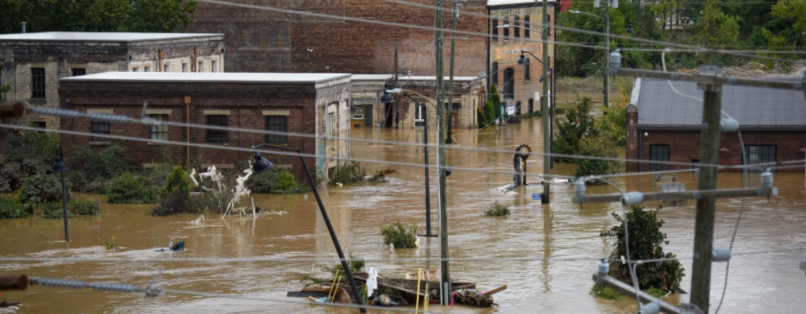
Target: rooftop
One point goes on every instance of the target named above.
(99, 36)
(372, 77)
(434, 78)
(753, 107)
(493, 3)
(208, 77)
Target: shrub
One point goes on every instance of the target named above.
(90, 170)
(497, 210)
(356, 265)
(380, 176)
(577, 125)
(74, 209)
(597, 146)
(348, 173)
(24, 154)
(175, 204)
(645, 243)
(131, 189)
(605, 292)
(274, 181)
(398, 234)
(10, 209)
(177, 183)
(110, 244)
(613, 124)
(42, 188)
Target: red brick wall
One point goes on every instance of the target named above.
(263, 41)
(245, 102)
(684, 146)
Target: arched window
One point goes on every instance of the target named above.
(506, 29)
(509, 83)
(494, 74)
(526, 26)
(517, 28)
(495, 29)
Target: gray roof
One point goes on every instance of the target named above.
(659, 106)
(102, 36)
(208, 77)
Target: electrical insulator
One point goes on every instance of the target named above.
(728, 125)
(720, 255)
(602, 270)
(632, 198)
(649, 308)
(766, 179)
(615, 61)
(579, 187)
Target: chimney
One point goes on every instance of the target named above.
(23, 27)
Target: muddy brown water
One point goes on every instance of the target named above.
(759, 283)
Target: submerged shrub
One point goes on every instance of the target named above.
(274, 181)
(348, 173)
(74, 209)
(42, 188)
(497, 210)
(131, 189)
(380, 176)
(177, 183)
(10, 208)
(175, 204)
(400, 235)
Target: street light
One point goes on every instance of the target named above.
(59, 166)
(262, 165)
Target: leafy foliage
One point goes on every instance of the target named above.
(645, 243)
(577, 125)
(42, 188)
(597, 146)
(91, 170)
(131, 189)
(356, 265)
(74, 209)
(110, 244)
(613, 124)
(348, 173)
(177, 183)
(497, 210)
(175, 204)
(490, 112)
(10, 208)
(402, 236)
(274, 181)
(97, 15)
(718, 30)
(24, 154)
(605, 292)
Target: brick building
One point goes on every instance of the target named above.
(366, 96)
(264, 41)
(31, 64)
(515, 25)
(663, 125)
(303, 103)
(468, 94)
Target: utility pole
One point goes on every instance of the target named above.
(445, 281)
(545, 107)
(454, 16)
(706, 206)
(605, 94)
(427, 186)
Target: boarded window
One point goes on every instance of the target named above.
(659, 153)
(38, 83)
(217, 136)
(278, 124)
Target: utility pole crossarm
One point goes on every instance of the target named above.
(686, 195)
(710, 79)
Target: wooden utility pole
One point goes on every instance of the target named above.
(545, 106)
(445, 279)
(605, 94)
(706, 206)
(454, 16)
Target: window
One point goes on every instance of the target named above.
(531, 105)
(39, 124)
(527, 69)
(37, 82)
(526, 26)
(184, 67)
(509, 83)
(456, 106)
(146, 69)
(217, 136)
(495, 73)
(200, 67)
(79, 71)
(760, 154)
(506, 29)
(100, 127)
(159, 132)
(518, 108)
(213, 67)
(165, 68)
(495, 29)
(279, 124)
(419, 114)
(135, 69)
(659, 153)
(517, 28)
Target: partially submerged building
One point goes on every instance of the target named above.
(31, 64)
(664, 124)
(468, 94)
(310, 103)
(366, 106)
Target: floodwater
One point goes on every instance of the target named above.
(562, 238)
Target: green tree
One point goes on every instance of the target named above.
(577, 125)
(645, 243)
(716, 30)
(597, 146)
(490, 111)
(614, 123)
(177, 183)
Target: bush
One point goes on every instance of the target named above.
(91, 170)
(177, 183)
(497, 210)
(110, 244)
(614, 123)
(398, 234)
(605, 292)
(74, 209)
(10, 209)
(380, 176)
(131, 189)
(274, 181)
(578, 124)
(356, 265)
(175, 204)
(42, 188)
(348, 173)
(645, 243)
(24, 154)
(597, 146)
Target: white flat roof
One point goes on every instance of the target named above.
(434, 78)
(99, 36)
(209, 77)
(372, 77)
(492, 3)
